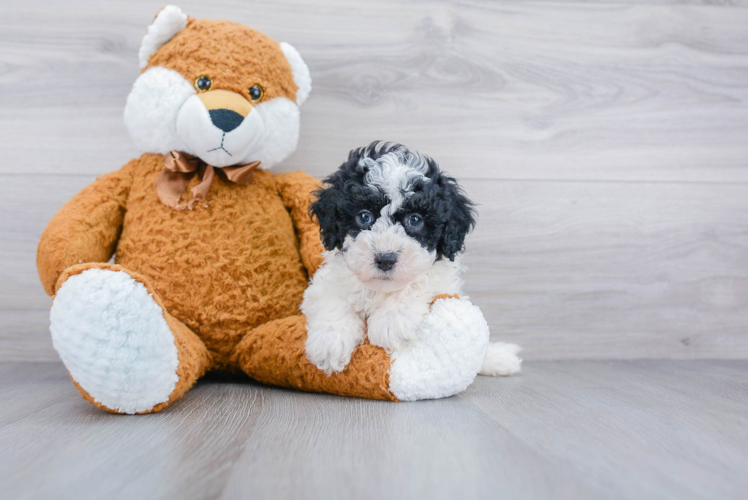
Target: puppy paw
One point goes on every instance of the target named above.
(330, 349)
(393, 331)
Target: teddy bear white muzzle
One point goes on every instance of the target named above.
(220, 127)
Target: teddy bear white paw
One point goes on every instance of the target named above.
(113, 338)
(445, 358)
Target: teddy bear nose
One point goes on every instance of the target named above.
(227, 109)
(385, 261)
(225, 119)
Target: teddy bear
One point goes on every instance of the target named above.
(194, 257)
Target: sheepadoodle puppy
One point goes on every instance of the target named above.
(393, 225)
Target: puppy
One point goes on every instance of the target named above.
(393, 225)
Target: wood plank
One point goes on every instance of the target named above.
(530, 90)
(569, 270)
(24, 335)
(24, 306)
(32, 201)
(65, 450)
(574, 429)
(659, 429)
(31, 387)
(318, 446)
(626, 270)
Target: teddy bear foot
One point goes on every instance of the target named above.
(447, 355)
(115, 341)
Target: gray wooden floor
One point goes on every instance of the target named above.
(561, 429)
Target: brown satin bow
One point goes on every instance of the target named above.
(180, 168)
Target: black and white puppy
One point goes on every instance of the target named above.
(393, 225)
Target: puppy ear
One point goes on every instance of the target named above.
(301, 76)
(169, 21)
(325, 211)
(459, 220)
(332, 205)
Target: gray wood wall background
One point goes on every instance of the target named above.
(606, 143)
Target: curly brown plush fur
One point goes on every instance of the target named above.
(230, 274)
(217, 286)
(219, 49)
(230, 265)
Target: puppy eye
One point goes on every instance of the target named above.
(203, 83)
(256, 92)
(364, 219)
(414, 221)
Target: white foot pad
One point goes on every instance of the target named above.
(114, 340)
(501, 360)
(446, 356)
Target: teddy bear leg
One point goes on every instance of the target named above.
(123, 350)
(448, 353)
(274, 354)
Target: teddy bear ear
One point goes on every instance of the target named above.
(169, 21)
(301, 75)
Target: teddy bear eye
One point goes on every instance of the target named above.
(203, 83)
(256, 92)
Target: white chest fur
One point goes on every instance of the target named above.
(341, 310)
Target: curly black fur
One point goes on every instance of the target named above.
(447, 212)
(448, 215)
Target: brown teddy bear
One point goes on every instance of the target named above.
(212, 252)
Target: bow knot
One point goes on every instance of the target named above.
(180, 168)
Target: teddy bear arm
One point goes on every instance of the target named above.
(85, 229)
(295, 189)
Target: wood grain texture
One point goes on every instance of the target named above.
(624, 270)
(566, 269)
(582, 429)
(605, 142)
(500, 89)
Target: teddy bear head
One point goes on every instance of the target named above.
(217, 90)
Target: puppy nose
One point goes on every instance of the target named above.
(385, 261)
(225, 119)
